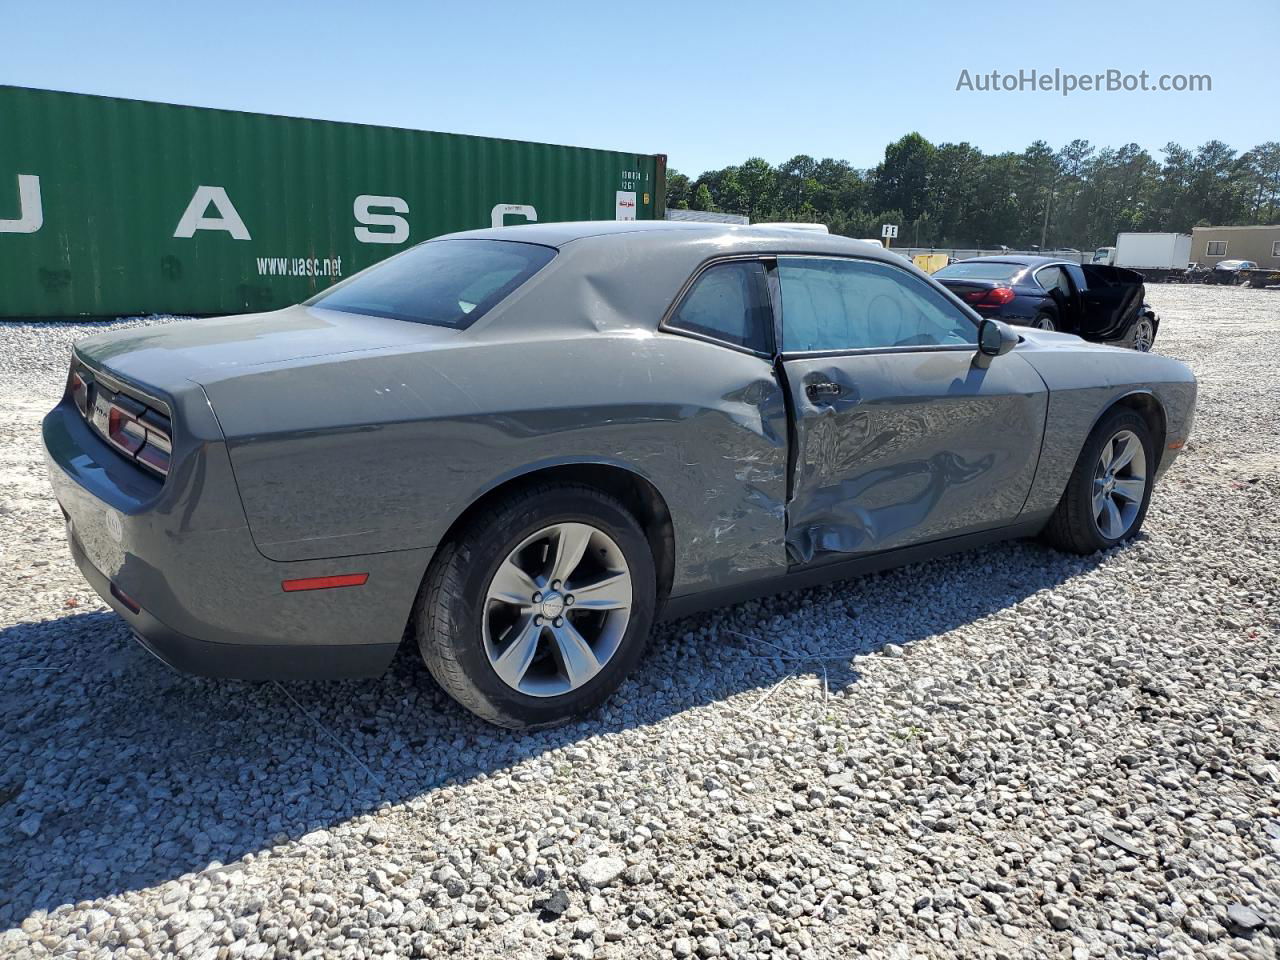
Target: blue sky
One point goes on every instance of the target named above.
(706, 83)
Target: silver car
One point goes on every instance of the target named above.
(520, 446)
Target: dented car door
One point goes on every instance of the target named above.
(900, 437)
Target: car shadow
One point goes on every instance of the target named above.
(120, 774)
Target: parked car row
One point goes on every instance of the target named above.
(1155, 257)
(1234, 273)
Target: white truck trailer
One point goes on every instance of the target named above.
(1157, 256)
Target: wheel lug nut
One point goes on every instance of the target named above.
(555, 584)
(537, 621)
(568, 599)
(537, 598)
(558, 622)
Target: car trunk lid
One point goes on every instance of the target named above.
(210, 349)
(980, 294)
(969, 289)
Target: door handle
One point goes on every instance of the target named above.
(822, 390)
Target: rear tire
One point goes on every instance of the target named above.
(1142, 336)
(561, 656)
(1106, 500)
(1044, 322)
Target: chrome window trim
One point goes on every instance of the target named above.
(873, 351)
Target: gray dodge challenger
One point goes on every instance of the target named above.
(520, 446)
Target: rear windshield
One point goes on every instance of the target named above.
(447, 283)
(980, 271)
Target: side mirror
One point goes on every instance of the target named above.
(995, 339)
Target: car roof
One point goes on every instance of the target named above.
(615, 275)
(733, 238)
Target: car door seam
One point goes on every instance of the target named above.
(1044, 433)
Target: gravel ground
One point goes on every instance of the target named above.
(1010, 753)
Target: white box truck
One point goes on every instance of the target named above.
(1157, 256)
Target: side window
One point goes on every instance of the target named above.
(729, 302)
(1077, 276)
(1054, 277)
(862, 304)
(1049, 277)
(1215, 248)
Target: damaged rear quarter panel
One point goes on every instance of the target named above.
(383, 451)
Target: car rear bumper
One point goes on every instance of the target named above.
(239, 661)
(177, 563)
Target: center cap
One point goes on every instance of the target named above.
(552, 605)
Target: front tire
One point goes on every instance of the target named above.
(1110, 488)
(537, 609)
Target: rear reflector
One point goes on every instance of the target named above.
(132, 604)
(324, 583)
(1176, 445)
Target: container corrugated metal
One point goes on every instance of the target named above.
(111, 206)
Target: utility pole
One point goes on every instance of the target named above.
(1044, 228)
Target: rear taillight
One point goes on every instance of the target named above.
(157, 450)
(78, 387)
(124, 425)
(138, 431)
(995, 297)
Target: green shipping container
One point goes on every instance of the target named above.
(112, 206)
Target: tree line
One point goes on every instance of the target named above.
(954, 195)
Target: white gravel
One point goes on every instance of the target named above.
(1011, 753)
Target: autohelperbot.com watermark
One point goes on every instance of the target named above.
(1065, 83)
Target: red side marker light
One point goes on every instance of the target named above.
(131, 604)
(325, 583)
(1177, 445)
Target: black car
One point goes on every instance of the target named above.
(1231, 272)
(1094, 301)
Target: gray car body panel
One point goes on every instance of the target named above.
(1085, 380)
(920, 445)
(310, 442)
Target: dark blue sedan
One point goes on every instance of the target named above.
(1096, 302)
